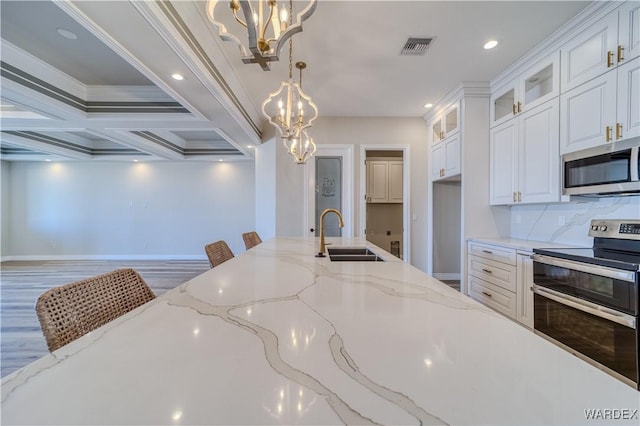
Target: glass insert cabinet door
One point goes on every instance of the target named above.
(328, 194)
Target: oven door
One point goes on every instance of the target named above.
(605, 286)
(603, 337)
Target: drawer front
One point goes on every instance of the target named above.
(493, 296)
(488, 251)
(497, 273)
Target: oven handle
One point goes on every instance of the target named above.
(588, 307)
(603, 271)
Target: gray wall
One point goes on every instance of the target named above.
(125, 209)
(5, 168)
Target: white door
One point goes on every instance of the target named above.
(452, 155)
(539, 154)
(590, 53)
(628, 100)
(586, 113)
(629, 37)
(395, 181)
(437, 154)
(503, 162)
(377, 181)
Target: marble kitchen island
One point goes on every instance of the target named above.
(278, 336)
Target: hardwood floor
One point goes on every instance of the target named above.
(21, 340)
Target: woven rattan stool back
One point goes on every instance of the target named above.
(71, 311)
(218, 252)
(251, 239)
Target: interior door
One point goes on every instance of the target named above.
(328, 191)
(329, 187)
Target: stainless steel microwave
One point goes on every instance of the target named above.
(607, 170)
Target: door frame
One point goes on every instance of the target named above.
(330, 150)
(406, 243)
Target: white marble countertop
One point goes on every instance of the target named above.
(514, 243)
(277, 336)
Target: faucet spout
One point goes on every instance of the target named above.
(322, 250)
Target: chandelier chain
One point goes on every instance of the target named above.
(290, 41)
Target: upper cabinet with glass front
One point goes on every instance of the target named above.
(445, 124)
(532, 88)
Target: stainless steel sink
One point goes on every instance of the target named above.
(352, 254)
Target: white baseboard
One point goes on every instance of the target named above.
(447, 276)
(105, 257)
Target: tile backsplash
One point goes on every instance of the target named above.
(568, 223)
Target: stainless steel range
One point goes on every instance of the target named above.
(587, 300)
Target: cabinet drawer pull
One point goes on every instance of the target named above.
(609, 59)
(519, 107)
(488, 271)
(487, 251)
(608, 134)
(519, 196)
(618, 131)
(487, 294)
(620, 53)
(515, 111)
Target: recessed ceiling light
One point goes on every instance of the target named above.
(177, 76)
(47, 159)
(490, 44)
(249, 146)
(70, 35)
(428, 105)
(135, 161)
(221, 160)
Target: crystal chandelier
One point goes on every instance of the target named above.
(267, 28)
(287, 114)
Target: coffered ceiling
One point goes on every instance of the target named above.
(107, 93)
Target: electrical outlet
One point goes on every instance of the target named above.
(388, 232)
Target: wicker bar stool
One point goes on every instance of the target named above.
(218, 252)
(251, 239)
(72, 310)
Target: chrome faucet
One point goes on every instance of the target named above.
(322, 243)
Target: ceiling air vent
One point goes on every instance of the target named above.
(416, 46)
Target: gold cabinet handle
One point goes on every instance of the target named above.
(519, 196)
(487, 294)
(442, 134)
(519, 107)
(607, 136)
(620, 53)
(488, 271)
(515, 107)
(514, 197)
(609, 59)
(618, 131)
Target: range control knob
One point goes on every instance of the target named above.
(603, 227)
(594, 227)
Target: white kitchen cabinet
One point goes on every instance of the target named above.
(384, 181)
(587, 112)
(492, 276)
(603, 110)
(445, 124)
(591, 53)
(524, 288)
(525, 159)
(395, 182)
(503, 160)
(536, 86)
(629, 30)
(628, 108)
(445, 158)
